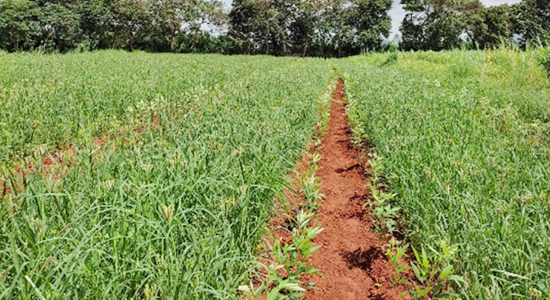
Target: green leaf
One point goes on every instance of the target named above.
(292, 286)
(274, 294)
(416, 255)
(425, 261)
(417, 272)
(457, 279)
(422, 292)
(446, 272)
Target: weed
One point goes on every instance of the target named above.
(396, 252)
(380, 205)
(392, 59)
(290, 262)
(433, 271)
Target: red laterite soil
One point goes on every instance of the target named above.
(351, 258)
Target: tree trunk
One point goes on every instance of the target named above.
(266, 44)
(284, 46)
(114, 38)
(339, 50)
(305, 48)
(249, 37)
(132, 43)
(323, 48)
(172, 38)
(474, 43)
(195, 38)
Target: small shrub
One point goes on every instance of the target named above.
(392, 58)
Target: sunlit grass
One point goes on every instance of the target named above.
(134, 175)
(176, 160)
(465, 145)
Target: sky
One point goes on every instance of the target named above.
(397, 13)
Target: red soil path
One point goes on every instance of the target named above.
(351, 258)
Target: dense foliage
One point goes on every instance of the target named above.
(155, 25)
(462, 139)
(284, 27)
(447, 24)
(279, 27)
(151, 175)
(321, 28)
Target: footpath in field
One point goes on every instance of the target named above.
(351, 258)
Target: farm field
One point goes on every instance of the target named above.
(144, 175)
(462, 139)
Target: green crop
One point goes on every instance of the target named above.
(134, 175)
(464, 140)
(144, 176)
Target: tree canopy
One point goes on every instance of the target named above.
(447, 24)
(272, 27)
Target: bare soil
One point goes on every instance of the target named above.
(352, 258)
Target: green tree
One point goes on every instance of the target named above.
(60, 28)
(132, 16)
(302, 25)
(244, 20)
(435, 24)
(170, 16)
(496, 26)
(532, 20)
(284, 14)
(371, 21)
(19, 25)
(205, 12)
(95, 17)
(338, 17)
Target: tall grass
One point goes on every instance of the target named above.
(464, 141)
(175, 162)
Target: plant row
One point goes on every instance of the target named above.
(461, 143)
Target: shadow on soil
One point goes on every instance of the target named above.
(362, 259)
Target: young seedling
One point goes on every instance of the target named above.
(310, 185)
(396, 253)
(434, 271)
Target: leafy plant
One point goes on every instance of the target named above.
(291, 262)
(382, 210)
(392, 59)
(310, 185)
(434, 271)
(396, 252)
(544, 60)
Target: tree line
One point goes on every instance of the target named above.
(65, 25)
(272, 27)
(447, 24)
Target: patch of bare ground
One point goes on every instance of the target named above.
(351, 258)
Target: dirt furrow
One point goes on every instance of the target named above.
(351, 258)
